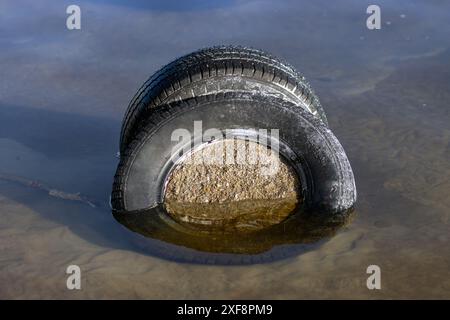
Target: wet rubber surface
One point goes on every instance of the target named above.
(63, 95)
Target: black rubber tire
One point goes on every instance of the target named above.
(214, 70)
(327, 178)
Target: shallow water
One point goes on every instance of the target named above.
(63, 93)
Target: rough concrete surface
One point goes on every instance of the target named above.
(233, 184)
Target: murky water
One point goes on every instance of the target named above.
(63, 93)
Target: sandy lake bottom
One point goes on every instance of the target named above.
(63, 93)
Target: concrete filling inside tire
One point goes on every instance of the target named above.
(232, 185)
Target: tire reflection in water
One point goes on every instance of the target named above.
(301, 232)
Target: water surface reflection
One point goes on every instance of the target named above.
(237, 247)
(63, 93)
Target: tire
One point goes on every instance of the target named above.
(324, 171)
(214, 70)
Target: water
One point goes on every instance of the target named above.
(63, 93)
